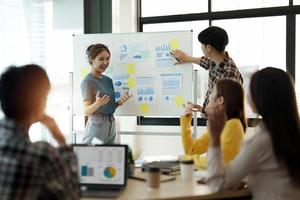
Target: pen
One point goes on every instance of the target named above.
(175, 56)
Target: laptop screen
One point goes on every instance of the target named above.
(102, 164)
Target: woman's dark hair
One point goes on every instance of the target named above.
(95, 49)
(214, 36)
(21, 90)
(233, 94)
(273, 95)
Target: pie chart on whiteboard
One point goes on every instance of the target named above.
(110, 172)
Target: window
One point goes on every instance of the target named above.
(36, 33)
(252, 41)
(254, 30)
(298, 60)
(172, 7)
(22, 36)
(257, 51)
(221, 5)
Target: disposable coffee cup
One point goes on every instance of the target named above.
(152, 177)
(186, 170)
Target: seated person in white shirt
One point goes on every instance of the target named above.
(270, 158)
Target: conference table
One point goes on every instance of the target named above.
(176, 189)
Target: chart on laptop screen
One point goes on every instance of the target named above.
(101, 165)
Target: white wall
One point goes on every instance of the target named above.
(124, 18)
(67, 14)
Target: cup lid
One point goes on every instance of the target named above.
(152, 169)
(187, 161)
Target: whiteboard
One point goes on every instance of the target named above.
(141, 64)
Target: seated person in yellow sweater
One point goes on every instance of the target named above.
(229, 94)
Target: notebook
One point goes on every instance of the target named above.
(102, 169)
(166, 167)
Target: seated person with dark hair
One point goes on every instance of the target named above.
(32, 170)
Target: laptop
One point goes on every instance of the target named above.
(102, 169)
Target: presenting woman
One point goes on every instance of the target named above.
(99, 97)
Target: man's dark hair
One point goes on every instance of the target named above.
(21, 90)
(214, 36)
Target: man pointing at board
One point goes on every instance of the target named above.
(216, 60)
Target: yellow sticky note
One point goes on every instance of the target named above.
(131, 82)
(174, 44)
(144, 108)
(84, 71)
(179, 100)
(130, 68)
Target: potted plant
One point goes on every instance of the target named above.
(130, 162)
